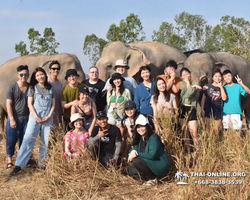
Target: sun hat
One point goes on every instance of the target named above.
(73, 118)
(101, 114)
(129, 104)
(71, 72)
(83, 89)
(141, 120)
(116, 76)
(121, 62)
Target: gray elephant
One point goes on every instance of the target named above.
(138, 54)
(201, 66)
(8, 71)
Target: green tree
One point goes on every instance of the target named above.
(129, 30)
(234, 35)
(169, 35)
(39, 45)
(21, 48)
(189, 32)
(93, 47)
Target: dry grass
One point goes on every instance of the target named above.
(86, 179)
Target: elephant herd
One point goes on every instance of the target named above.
(137, 54)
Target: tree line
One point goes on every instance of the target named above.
(188, 32)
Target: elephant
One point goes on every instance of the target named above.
(137, 54)
(8, 71)
(201, 66)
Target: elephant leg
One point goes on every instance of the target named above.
(247, 115)
(3, 115)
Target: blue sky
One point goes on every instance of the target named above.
(73, 20)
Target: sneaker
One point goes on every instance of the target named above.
(15, 171)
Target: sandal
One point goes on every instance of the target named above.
(9, 166)
(149, 183)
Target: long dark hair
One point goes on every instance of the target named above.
(33, 80)
(121, 87)
(137, 136)
(157, 92)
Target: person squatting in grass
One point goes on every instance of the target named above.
(190, 91)
(76, 139)
(149, 160)
(128, 122)
(212, 101)
(116, 99)
(86, 107)
(162, 101)
(105, 141)
(18, 112)
(232, 113)
(41, 103)
(143, 93)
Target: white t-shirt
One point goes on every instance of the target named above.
(161, 101)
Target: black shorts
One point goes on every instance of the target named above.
(188, 112)
(212, 110)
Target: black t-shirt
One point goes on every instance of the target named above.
(213, 95)
(107, 144)
(95, 93)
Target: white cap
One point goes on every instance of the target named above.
(141, 120)
(121, 62)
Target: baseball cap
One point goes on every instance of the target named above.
(101, 114)
(141, 120)
(130, 104)
(83, 89)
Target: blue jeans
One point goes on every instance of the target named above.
(42, 106)
(13, 135)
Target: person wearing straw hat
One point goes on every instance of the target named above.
(149, 160)
(77, 138)
(121, 67)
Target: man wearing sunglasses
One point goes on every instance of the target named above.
(18, 112)
(54, 69)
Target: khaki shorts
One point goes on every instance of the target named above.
(232, 121)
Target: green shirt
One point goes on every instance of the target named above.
(69, 94)
(154, 155)
(189, 95)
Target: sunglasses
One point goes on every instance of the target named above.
(24, 75)
(55, 69)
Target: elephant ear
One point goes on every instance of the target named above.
(135, 53)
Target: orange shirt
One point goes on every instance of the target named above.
(176, 81)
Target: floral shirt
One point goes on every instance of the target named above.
(76, 141)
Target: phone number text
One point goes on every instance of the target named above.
(218, 182)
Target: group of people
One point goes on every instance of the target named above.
(100, 116)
